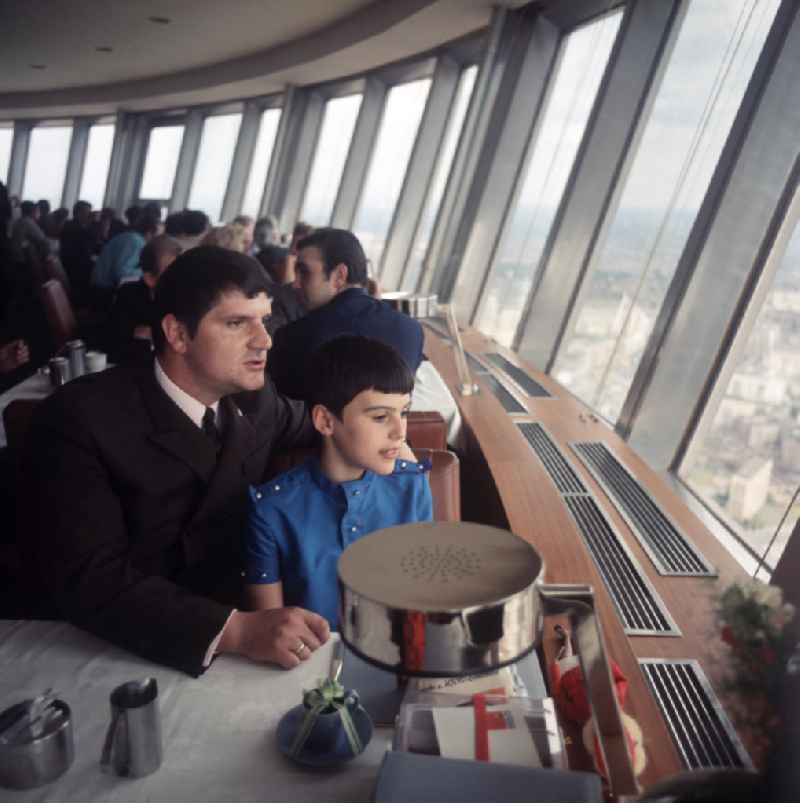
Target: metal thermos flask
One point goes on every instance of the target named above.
(76, 351)
(60, 371)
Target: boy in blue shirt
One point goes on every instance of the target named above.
(300, 522)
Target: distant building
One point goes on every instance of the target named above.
(757, 387)
(790, 447)
(763, 433)
(748, 489)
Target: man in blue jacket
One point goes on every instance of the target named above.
(332, 273)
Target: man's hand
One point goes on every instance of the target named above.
(275, 636)
(13, 354)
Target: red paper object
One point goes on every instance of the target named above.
(569, 690)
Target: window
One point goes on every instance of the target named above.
(338, 124)
(161, 161)
(96, 164)
(6, 139)
(214, 159)
(46, 167)
(583, 57)
(402, 114)
(262, 156)
(744, 461)
(440, 177)
(701, 89)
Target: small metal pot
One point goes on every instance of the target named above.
(440, 599)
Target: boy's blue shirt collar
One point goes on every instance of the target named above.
(336, 489)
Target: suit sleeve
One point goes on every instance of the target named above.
(78, 547)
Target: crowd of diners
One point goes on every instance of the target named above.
(146, 512)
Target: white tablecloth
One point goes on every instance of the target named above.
(218, 730)
(34, 387)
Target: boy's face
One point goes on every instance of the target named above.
(370, 432)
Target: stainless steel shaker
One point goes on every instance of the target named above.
(132, 747)
(60, 372)
(76, 353)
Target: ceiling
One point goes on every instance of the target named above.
(208, 50)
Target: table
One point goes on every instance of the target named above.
(36, 386)
(218, 730)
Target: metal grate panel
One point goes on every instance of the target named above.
(527, 383)
(503, 394)
(438, 325)
(562, 473)
(475, 365)
(640, 608)
(670, 550)
(700, 728)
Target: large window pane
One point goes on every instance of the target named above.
(338, 124)
(703, 84)
(213, 166)
(583, 58)
(440, 177)
(745, 459)
(6, 138)
(262, 156)
(398, 132)
(161, 161)
(96, 164)
(46, 167)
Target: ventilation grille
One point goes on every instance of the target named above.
(475, 365)
(529, 385)
(503, 394)
(562, 473)
(438, 325)
(671, 552)
(702, 732)
(640, 608)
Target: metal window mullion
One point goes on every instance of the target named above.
(605, 154)
(187, 161)
(291, 161)
(76, 161)
(421, 168)
(20, 145)
(133, 152)
(359, 155)
(733, 239)
(242, 161)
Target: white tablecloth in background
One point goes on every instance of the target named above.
(35, 386)
(218, 730)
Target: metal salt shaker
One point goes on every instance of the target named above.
(60, 371)
(76, 351)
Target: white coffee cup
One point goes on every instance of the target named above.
(95, 361)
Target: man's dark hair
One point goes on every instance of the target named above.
(132, 214)
(173, 225)
(79, 206)
(347, 365)
(196, 280)
(273, 258)
(339, 246)
(194, 222)
(27, 208)
(44, 207)
(153, 208)
(147, 224)
(163, 244)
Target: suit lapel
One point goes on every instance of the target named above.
(174, 432)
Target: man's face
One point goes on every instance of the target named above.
(228, 353)
(84, 217)
(316, 288)
(371, 431)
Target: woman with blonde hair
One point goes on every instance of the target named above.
(232, 237)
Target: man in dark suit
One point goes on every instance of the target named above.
(332, 273)
(77, 245)
(137, 479)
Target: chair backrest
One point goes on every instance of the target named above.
(426, 430)
(17, 417)
(59, 313)
(443, 477)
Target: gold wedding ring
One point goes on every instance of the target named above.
(298, 650)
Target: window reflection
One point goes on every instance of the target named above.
(338, 124)
(262, 156)
(213, 167)
(6, 138)
(96, 164)
(583, 58)
(745, 458)
(440, 177)
(402, 114)
(712, 60)
(46, 167)
(161, 161)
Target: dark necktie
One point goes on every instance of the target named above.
(209, 427)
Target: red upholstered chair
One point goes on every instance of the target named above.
(59, 312)
(426, 430)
